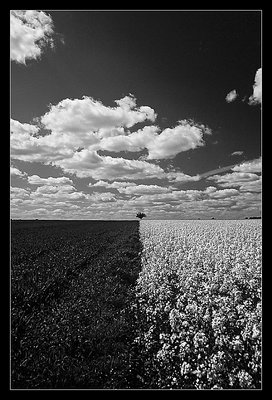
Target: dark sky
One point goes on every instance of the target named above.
(180, 63)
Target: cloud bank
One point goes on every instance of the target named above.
(114, 151)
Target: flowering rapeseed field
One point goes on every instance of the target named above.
(199, 304)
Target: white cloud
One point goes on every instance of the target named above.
(252, 186)
(127, 102)
(58, 211)
(30, 32)
(217, 204)
(18, 193)
(37, 180)
(187, 203)
(210, 189)
(87, 125)
(133, 142)
(26, 145)
(41, 211)
(54, 190)
(51, 194)
(242, 180)
(243, 176)
(231, 96)
(224, 193)
(107, 196)
(16, 172)
(114, 185)
(180, 177)
(23, 130)
(88, 163)
(51, 197)
(256, 97)
(237, 153)
(185, 136)
(178, 197)
(53, 149)
(109, 132)
(254, 166)
(143, 189)
(79, 116)
(79, 128)
(74, 125)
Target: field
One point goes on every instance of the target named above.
(71, 289)
(199, 293)
(128, 304)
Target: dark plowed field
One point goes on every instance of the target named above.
(72, 285)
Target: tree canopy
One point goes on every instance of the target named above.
(140, 215)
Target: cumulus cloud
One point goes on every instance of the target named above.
(231, 96)
(42, 211)
(54, 193)
(252, 186)
(198, 203)
(177, 197)
(234, 177)
(249, 166)
(18, 193)
(86, 124)
(77, 130)
(113, 185)
(107, 196)
(152, 198)
(245, 177)
(37, 180)
(180, 177)
(16, 172)
(53, 189)
(143, 189)
(210, 189)
(88, 164)
(224, 193)
(131, 188)
(133, 142)
(79, 116)
(167, 144)
(127, 102)
(254, 166)
(23, 130)
(245, 181)
(30, 32)
(74, 125)
(256, 97)
(185, 136)
(27, 145)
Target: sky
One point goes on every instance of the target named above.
(116, 112)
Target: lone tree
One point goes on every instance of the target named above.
(140, 215)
